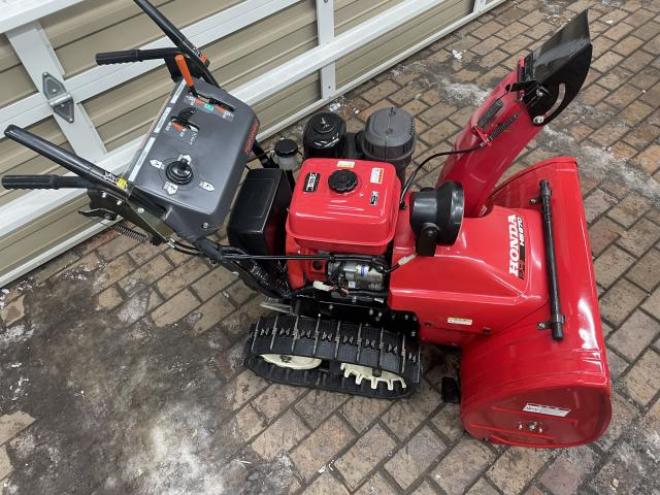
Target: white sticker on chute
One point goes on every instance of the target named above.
(548, 410)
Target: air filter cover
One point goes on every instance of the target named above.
(390, 137)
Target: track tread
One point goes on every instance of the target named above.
(333, 341)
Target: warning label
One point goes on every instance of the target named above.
(377, 175)
(548, 410)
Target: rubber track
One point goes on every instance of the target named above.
(335, 342)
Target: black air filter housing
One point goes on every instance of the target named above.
(324, 136)
(390, 137)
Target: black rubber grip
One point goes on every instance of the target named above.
(63, 157)
(43, 182)
(135, 55)
(120, 57)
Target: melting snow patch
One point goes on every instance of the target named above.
(600, 163)
(15, 335)
(466, 94)
(18, 390)
(457, 55)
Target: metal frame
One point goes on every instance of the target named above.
(38, 57)
(325, 21)
(322, 58)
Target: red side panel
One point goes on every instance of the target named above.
(520, 386)
(470, 289)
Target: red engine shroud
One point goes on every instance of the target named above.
(361, 221)
(518, 385)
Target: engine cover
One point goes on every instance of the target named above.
(344, 206)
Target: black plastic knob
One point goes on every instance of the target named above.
(179, 172)
(286, 147)
(343, 181)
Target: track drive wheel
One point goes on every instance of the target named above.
(292, 362)
(373, 376)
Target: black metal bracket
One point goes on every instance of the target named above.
(556, 322)
(106, 206)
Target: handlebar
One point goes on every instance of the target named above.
(66, 159)
(177, 37)
(168, 28)
(44, 182)
(135, 55)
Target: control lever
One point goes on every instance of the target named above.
(135, 55)
(185, 73)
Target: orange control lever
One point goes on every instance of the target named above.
(185, 71)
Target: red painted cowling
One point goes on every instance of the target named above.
(520, 386)
(354, 213)
(488, 292)
(468, 289)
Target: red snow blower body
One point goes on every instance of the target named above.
(360, 269)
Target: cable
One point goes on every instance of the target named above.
(410, 179)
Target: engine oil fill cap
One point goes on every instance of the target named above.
(342, 181)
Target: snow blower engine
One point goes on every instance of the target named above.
(358, 267)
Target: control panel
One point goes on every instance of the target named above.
(191, 161)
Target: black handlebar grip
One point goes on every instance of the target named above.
(66, 159)
(119, 57)
(43, 182)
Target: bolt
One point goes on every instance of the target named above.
(119, 202)
(140, 210)
(205, 225)
(539, 119)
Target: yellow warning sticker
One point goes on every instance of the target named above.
(345, 164)
(122, 183)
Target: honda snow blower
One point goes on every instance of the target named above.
(359, 268)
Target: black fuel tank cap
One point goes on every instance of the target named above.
(342, 181)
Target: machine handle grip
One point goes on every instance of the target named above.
(119, 57)
(66, 159)
(134, 55)
(43, 182)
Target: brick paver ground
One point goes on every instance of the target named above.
(121, 372)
